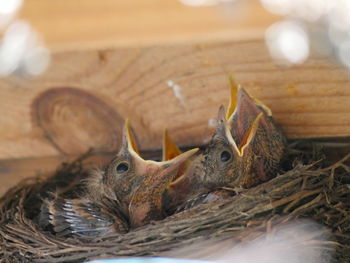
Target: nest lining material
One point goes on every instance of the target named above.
(306, 190)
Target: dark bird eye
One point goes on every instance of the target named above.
(122, 168)
(225, 156)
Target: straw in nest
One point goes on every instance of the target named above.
(304, 191)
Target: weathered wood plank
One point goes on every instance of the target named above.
(84, 97)
(80, 24)
(13, 171)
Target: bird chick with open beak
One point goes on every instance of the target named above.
(247, 146)
(187, 188)
(127, 194)
(244, 151)
(194, 185)
(186, 183)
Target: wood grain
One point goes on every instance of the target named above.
(12, 171)
(81, 24)
(75, 121)
(93, 91)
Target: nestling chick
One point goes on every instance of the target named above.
(247, 146)
(207, 172)
(186, 184)
(128, 194)
(210, 170)
(244, 151)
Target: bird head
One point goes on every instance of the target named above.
(224, 157)
(243, 110)
(247, 146)
(185, 182)
(170, 151)
(139, 184)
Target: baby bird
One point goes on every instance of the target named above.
(247, 146)
(184, 183)
(227, 163)
(204, 174)
(244, 151)
(127, 194)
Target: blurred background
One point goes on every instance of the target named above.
(71, 71)
(31, 29)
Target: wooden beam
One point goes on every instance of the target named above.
(80, 24)
(84, 97)
(13, 171)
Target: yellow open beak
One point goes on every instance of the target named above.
(233, 98)
(170, 149)
(130, 138)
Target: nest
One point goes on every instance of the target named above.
(309, 187)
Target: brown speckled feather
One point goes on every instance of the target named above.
(245, 150)
(79, 217)
(128, 193)
(264, 152)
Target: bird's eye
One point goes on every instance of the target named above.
(122, 168)
(225, 156)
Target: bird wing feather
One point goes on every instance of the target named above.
(79, 217)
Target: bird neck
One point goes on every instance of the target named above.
(187, 187)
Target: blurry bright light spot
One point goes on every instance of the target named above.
(287, 41)
(344, 53)
(20, 51)
(8, 9)
(9, 6)
(336, 36)
(13, 46)
(20, 48)
(281, 7)
(327, 23)
(203, 2)
(310, 10)
(339, 16)
(36, 61)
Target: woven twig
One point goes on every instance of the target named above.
(305, 191)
